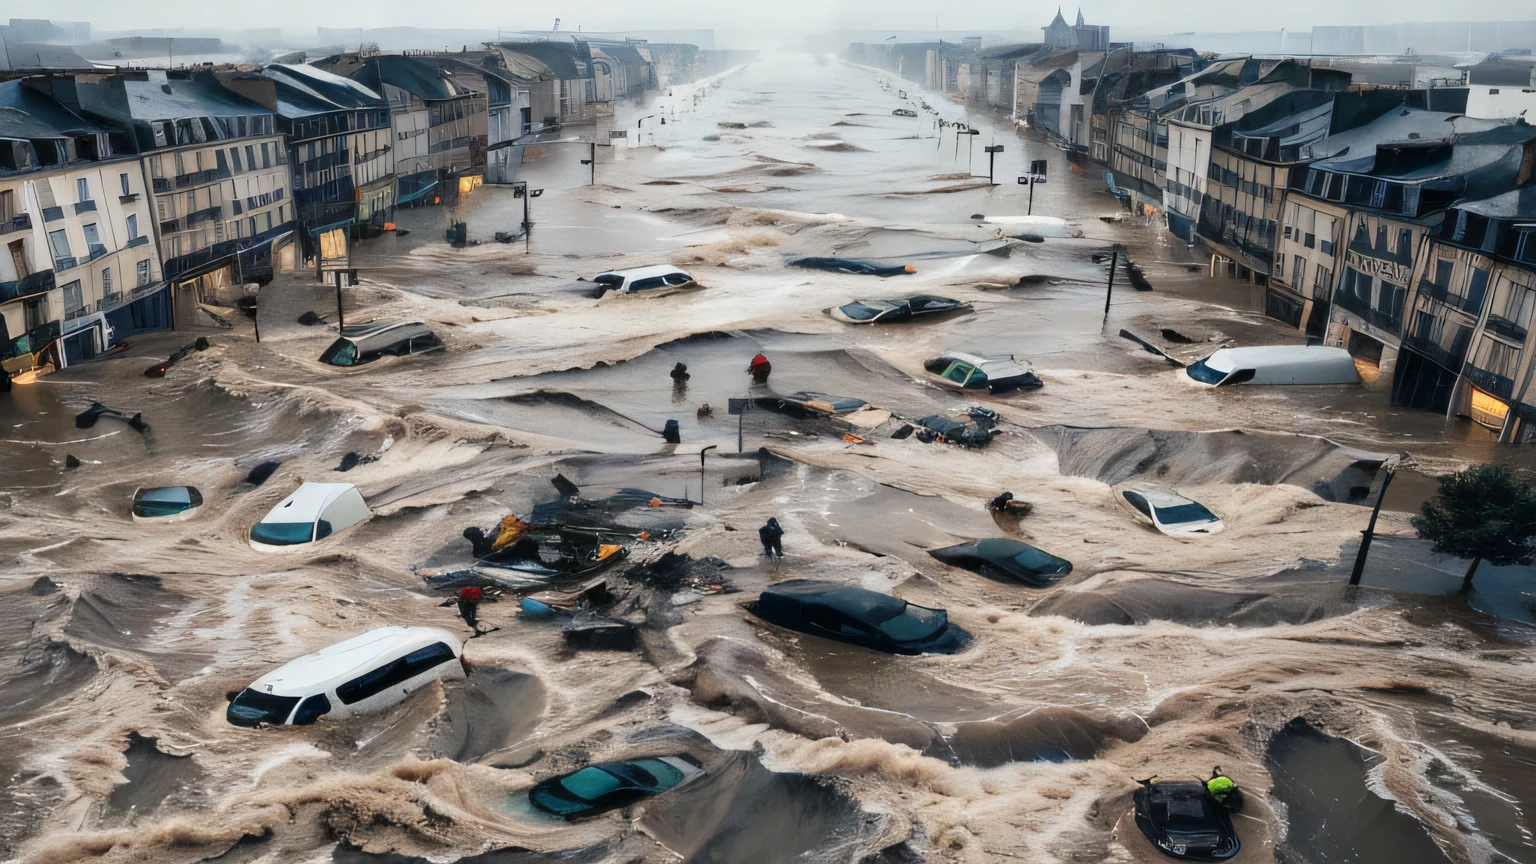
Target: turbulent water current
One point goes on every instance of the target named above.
(1377, 725)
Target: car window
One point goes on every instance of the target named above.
(664, 775)
(394, 672)
(312, 709)
(959, 371)
(1185, 514)
(829, 620)
(426, 343)
(977, 378)
(1137, 501)
(590, 783)
(647, 284)
(1035, 559)
(283, 533)
(678, 278)
(1205, 374)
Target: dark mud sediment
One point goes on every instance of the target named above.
(151, 776)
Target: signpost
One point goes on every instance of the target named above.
(991, 158)
(1035, 176)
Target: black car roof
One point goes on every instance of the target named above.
(852, 601)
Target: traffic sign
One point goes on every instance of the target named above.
(1031, 179)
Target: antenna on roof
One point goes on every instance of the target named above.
(557, 25)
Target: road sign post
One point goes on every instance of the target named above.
(991, 159)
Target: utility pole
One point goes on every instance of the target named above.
(992, 152)
(701, 470)
(1370, 530)
(1031, 210)
(1109, 290)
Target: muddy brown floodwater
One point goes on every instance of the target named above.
(1376, 725)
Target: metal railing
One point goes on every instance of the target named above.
(1491, 382)
(1436, 352)
(1373, 316)
(1505, 327)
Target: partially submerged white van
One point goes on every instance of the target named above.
(661, 279)
(313, 512)
(362, 675)
(1276, 364)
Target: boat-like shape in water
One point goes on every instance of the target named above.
(891, 310)
(166, 503)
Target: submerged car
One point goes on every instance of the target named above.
(1276, 364)
(1001, 558)
(364, 674)
(166, 503)
(1182, 820)
(1169, 512)
(643, 280)
(887, 311)
(610, 785)
(852, 265)
(806, 404)
(365, 343)
(857, 616)
(999, 374)
(313, 512)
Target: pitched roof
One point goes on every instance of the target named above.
(26, 113)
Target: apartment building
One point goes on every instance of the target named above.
(80, 264)
(216, 167)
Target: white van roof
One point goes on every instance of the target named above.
(1006, 366)
(1288, 364)
(337, 664)
(642, 272)
(307, 502)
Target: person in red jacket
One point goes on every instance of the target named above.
(469, 608)
(760, 367)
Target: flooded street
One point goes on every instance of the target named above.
(1372, 725)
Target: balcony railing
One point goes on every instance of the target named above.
(1373, 316)
(97, 250)
(197, 178)
(1440, 293)
(1506, 328)
(64, 263)
(1436, 352)
(72, 314)
(37, 283)
(161, 184)
(85, 207)
(1490, 382)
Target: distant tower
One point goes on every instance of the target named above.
(1080, 21)
(1060, 34)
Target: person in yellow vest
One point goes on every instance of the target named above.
(1223, 790)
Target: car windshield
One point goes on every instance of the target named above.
(1205, 374)
(343, 352)
(590, 783)
(914, 623)
(167, 501)
(1036, 560)
(282, 533)
(1188, 814)
(959, 371)
(253, 706)
(862, 311)
(1185, 514)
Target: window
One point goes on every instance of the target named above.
(1477, 286)
(143, 272)
(59, 242)
(312, 709)
(1443, 270)
(250, 156)
(191, 201)
(1280, 267)
(93, 240)
(1518, 304)
(266, 156)
(1404, 244)
(1496, 357)
(123, 178)
(1298, 271)
(82, 189)
(7, 205)
(394, 672)
(1287, 232)
(73, 301)
(234, 157)
(106, 280)
(133, 224)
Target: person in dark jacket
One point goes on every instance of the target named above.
(772, 536)
(759, 368)
(679, 373)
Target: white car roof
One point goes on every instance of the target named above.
(339, 663)
(306, 503)
(643, 272)
(1331, 365)
(995, 367)
(1160, 497)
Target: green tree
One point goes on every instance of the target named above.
(1482, 513)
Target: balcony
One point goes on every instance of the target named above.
(64, 263)
(206, 214)
(1505, 327)
(53, 214)
(72, 314)
(19, 222)
(161, 184)
(1434, 351)
(1441, 294)
(128, 199)
(37, 283)
(1490, 382)
(97, 250)
(137, 241)
(85, 207)
(1373, 316)
(198, 178)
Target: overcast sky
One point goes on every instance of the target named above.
(777, 16)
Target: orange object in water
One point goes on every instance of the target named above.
(508, 532)
(389, 226)
(850, 438)
(655, 502)
(645, 535)
(437, 200)
(910, 269)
